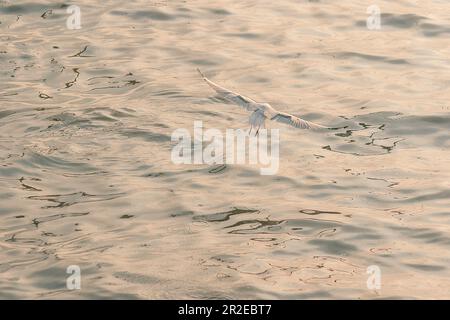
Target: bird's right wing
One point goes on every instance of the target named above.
(296, 121)
(236, 98)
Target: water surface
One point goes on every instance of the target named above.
(86, 177)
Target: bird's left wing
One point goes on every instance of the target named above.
(236, 98)
(295, 121)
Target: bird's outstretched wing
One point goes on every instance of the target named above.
(236, 98)
(295, 121)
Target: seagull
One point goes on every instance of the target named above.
(260, 111)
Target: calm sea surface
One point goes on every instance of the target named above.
(86, 177)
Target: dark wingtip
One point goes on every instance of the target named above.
(201, 73)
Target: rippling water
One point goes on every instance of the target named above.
(86, 179)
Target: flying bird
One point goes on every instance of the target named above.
(260, 111)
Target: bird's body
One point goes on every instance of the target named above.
(260, 111)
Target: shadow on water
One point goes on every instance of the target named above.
(386, 131)
(223, 216)
(410, 21)
(65, 200)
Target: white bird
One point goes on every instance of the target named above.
(260, 111)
